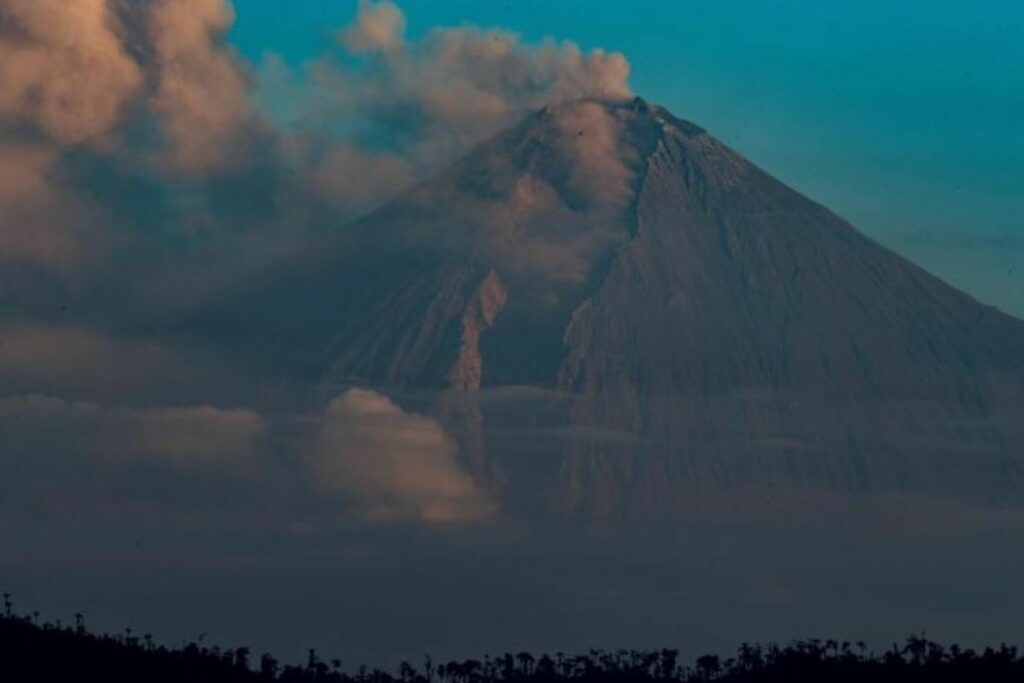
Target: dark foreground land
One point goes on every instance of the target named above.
(43, 652)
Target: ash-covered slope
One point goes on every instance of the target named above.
(678, 295)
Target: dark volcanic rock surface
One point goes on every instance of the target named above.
(691, 320)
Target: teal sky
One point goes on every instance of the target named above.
(906, 117)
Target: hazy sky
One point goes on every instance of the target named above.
(904, 119)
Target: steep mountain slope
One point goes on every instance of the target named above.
(660, 287)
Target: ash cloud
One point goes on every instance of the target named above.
(378, 27)
(134, 134)
(64, 68)
(202, 97)
(144, 165)
(427, 100)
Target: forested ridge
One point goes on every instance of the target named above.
(32, 650)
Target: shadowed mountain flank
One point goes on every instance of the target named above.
(685, 320)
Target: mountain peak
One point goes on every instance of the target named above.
(619, 231)
(628, 263)
(635, 111)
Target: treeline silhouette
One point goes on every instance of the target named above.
(31, 650)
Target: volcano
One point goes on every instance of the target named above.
(613, 311)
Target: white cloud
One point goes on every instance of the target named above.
(391, 465)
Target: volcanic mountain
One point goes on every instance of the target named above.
(680, 317)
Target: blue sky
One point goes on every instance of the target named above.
(905, 117)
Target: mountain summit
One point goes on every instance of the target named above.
(694, 317)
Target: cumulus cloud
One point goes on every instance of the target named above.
(72, 69)
(378, 26)
(63, 68)
(391, 465)
(456, 86)
(425, 101)
(170, 118)
(66, 79)
(202, 97)
(89, 83)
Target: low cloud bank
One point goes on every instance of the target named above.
(363, 457)
(187, 436)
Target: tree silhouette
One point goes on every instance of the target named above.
(34, 651)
